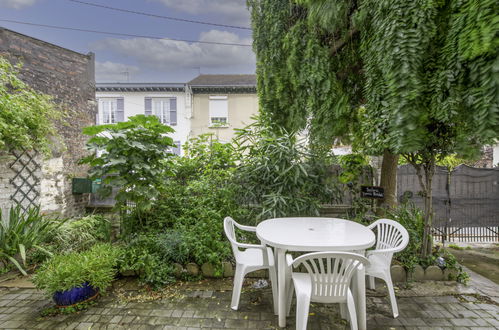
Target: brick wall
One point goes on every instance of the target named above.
(69, 77)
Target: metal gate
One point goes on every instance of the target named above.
(465, 201)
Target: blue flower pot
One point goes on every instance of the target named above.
(75, 295)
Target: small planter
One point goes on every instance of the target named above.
(75, 295)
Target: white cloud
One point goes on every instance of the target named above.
(168, 54)
(16, 4)
(113, 72)
(232, 11)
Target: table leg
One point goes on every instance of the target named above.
(359, 288)
(281, 280)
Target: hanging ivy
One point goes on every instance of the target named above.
(25, 114)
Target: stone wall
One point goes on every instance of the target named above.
(69, 77)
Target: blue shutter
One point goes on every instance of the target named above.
(120, 110)
(173, 111)
(148, 106)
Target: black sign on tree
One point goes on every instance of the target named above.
(372, 192)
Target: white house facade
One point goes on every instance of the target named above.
(119, 101)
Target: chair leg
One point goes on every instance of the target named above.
(352, 313)
(238, 284)
(343, 311)
(302, 308)
(372, 284)
(275, 294)
(290, 291)
(391, 292)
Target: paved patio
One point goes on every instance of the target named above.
(206, 305)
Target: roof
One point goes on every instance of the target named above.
(224, 82)
(139, 87)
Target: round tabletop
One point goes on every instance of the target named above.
(315, 234)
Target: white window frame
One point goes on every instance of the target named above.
(108, 117)
(163, 113)
(221, 113)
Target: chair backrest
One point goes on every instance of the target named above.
(230, 232)
(390, 235)
(331, 272)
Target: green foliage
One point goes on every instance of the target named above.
(411, 217)
(25, 114)
(299, 80)
(132, 155)
(21, 232)
(194, 202)
(96, 266)
(279, 175)
(150, 256)
(79, 234)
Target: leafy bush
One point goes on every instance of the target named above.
(411, 217)
(96, 266)
(21, 232)
(133, 155)
(193, 203)
(80, 234)
(279, 175)
(151, 256)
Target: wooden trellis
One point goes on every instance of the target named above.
(26, 181)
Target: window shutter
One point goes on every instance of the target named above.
(173, 111)
(120, 110)
(148, 106)
(176, 149)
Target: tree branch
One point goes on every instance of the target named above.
(337, 46)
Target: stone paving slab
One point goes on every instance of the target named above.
(209, 309)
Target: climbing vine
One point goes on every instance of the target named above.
(26, 116)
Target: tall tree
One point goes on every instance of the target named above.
(427, 71)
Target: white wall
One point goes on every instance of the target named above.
(134, 105)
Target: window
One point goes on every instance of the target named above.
(111, 110)
(161, 108)
(219, 110)
(165, 108)
(107, 110)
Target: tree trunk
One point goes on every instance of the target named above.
(429, 169)
(389, 182)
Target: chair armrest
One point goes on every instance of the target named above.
(245, 228)
(380, 251)
(249, 246)
(289, 260)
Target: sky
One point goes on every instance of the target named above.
(134, 59)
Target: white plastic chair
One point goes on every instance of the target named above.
(254, 257)
(391, 237)
(327, 281)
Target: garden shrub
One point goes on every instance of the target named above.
(134, 156)
(412, 218)
(151, 256)
(193, 203)
(96, 266)
(21, 232)
(79, 234)
(279, 175)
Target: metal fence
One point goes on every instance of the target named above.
(465, 201)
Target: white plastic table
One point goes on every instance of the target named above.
(313, 234)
